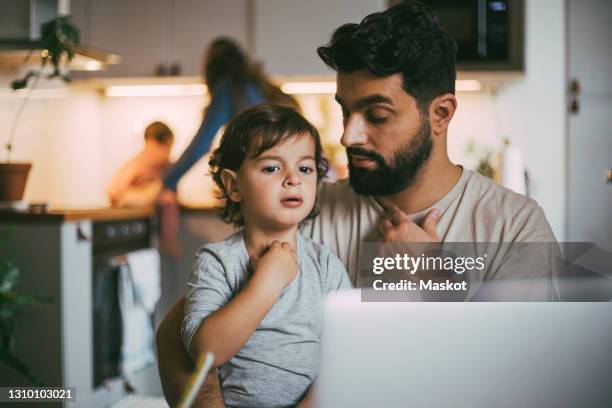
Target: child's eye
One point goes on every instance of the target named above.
(306, 169)
(271, 169)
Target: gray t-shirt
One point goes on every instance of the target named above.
(281, 359)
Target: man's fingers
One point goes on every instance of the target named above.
(397, 216)
(430, 223)
(384, 225)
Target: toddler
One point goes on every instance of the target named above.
(255, 299)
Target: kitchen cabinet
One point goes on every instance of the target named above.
(56, 254)
(288, 32)
(197, 23)
(158, 36)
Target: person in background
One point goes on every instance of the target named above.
(139, 181)
(234, 83)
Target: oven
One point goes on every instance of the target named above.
(112, 241)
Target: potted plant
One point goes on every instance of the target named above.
(59, 36)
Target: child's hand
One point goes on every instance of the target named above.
(277, 267)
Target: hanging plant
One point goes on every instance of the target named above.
(59, 36)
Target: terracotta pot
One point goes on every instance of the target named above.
(13, 177)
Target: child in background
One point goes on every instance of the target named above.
(139, 181)
(255, 299)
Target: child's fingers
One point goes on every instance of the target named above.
(275, 244)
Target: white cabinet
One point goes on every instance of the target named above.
(158, 35)
(288, 32)
(197, 23)
(63, 256)
(134, 29)
(282, 34)
(53, 339)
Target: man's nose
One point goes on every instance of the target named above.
(354, 132)
(292, 179)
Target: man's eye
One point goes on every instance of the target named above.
(377, 119)
(306, 169)
(271, 169)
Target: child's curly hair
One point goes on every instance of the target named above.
(248, 135)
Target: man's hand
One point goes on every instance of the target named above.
(277, 268)
(399, 227)
(309, 400)
(175, 365)
(399, 231)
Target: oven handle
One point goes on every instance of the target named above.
(81, 235)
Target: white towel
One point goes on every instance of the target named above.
(145, 268)
(139, 291)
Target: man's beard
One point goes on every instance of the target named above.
(391, 178)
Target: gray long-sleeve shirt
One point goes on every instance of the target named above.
(281, 359)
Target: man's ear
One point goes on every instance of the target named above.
(441, 111)
(230, 182)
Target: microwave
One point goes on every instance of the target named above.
(489, 33)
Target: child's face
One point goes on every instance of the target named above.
(278, 188)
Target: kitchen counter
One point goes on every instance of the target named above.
(63, 255)
(61, 215)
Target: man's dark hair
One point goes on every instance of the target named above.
(408, 39)
(159, 132)
(248, 135)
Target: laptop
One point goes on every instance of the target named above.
(448, 354)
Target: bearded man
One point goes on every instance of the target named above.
(396, 86)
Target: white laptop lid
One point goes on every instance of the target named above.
(417, 354)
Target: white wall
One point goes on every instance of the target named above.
(124, 130)
(539, 114)
(530, 112)
(60, 133)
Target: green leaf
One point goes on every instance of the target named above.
(58, 37)
(9, 276)
(6, 233)
(23, 82)
(16, 364)
(18, 84)
(23, 299)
